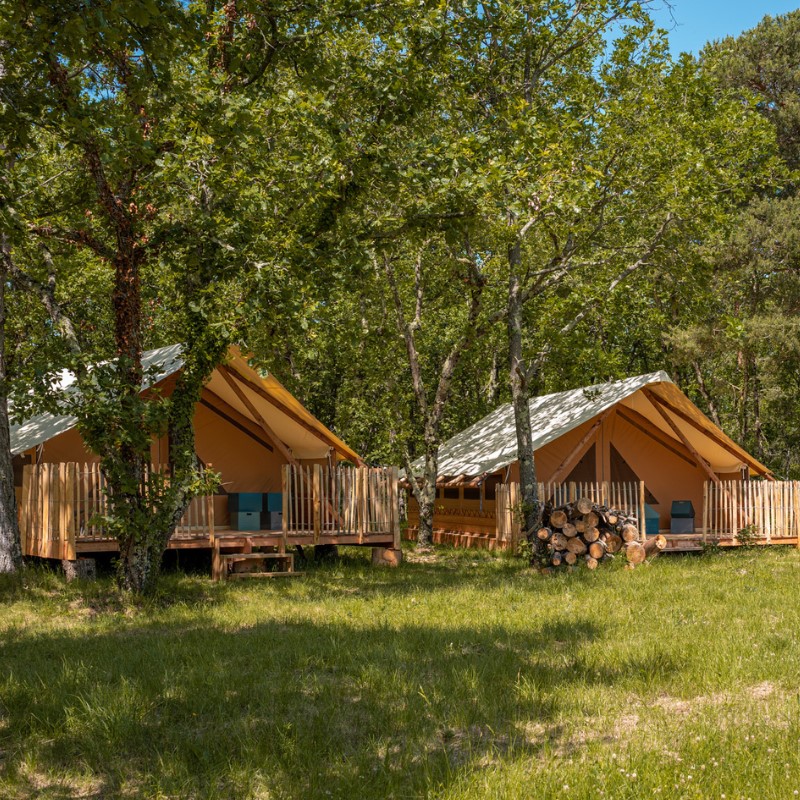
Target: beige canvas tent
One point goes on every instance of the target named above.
(250, 430)
(229, 435)
(638, 429)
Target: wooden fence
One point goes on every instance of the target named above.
(66, 503)
(341, 501)
(767, 510)
(623, 496)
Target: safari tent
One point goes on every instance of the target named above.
(639, 440)
(309, 486)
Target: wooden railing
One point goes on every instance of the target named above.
(765, 509)
(66, 503)
(622, 496)
(341, 500)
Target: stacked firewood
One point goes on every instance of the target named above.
(584, 532)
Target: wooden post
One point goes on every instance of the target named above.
(705, 512)
(642, 514)
(46, 495)
(285, 484)
(796, 493)
(395, 506)
(71, 511)
(317, 492)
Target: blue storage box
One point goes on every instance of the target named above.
(273, 501)
(246, 520)
(245, 501)
(682, 517)
(651, 521)
(682, 509)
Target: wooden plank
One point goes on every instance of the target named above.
(24, 513)
(394, 490)
(265, 426)
(231, 374)
(796, 486)
(71, 511)
(580, 448)
(46, 505)
(741, 455)
(642, 424)
(223, 410)
(317, 500)
(654, 401)
(642, 515)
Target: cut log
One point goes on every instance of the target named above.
(591, 535)
(556, 558)
(544, 534)
(558, 518)
(629, 532)
(559, 541)
(576, 545)
(597, 550)
(591, 563)
(612, 518)
(652, 547)
(591, 519)
(569, 530)
(580, 525)
(570, 558)
(613, 542)
(634, 552)
(584, 505)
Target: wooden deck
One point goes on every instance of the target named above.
(205, 540)
(64, 506)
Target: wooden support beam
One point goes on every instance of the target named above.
(578, 451)
(229, 374)
(711, 435)
(641, 423)
(654, 401)
(282, 448)
(225, 411)
(265, 426)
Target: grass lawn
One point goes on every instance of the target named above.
(460, 676)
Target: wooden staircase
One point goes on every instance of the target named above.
(239, 556)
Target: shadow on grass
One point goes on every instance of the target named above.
(285, 708)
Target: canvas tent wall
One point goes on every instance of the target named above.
(229, 434)
(641, 428)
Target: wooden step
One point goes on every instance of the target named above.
(224, 565)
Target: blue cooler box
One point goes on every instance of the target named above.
(246, 520)
(651, 521)
(244, 501)
(682, 520)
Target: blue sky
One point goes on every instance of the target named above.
(694, 22)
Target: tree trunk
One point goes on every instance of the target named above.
(10, 552)
(531, 511)
(427, 497)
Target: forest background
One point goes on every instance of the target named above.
(409, 212)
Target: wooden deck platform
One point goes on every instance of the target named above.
(676, 543)
(204, 540)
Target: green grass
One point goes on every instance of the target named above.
(466, 676)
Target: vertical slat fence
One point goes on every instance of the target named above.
(744, 511)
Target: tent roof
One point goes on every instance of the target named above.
(491, 444)
(300, 430)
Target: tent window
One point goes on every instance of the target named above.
(471, 493)
(622, 471)
(490, 487)
(450, 493)
(585, 471)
